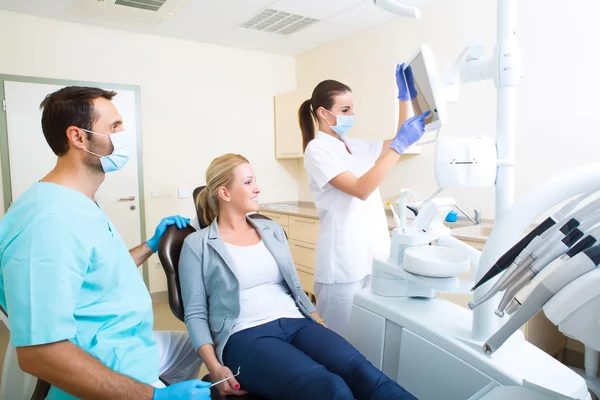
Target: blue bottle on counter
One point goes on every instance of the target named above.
(451, 217)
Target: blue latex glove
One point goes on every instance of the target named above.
(409, 132)
(177, 220)
(188, 390)
(405, 82)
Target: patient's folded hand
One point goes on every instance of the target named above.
(227, 388)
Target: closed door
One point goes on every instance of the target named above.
(31, 158)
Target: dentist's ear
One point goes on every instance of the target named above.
(75, 136)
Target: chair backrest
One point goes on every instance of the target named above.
(169, 250)
(16, 384)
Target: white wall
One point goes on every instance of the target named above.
(558, 118)
(198, 101)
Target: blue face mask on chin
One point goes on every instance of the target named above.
(120, 154)
(343, 123)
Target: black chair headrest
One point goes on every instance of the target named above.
(169, 250)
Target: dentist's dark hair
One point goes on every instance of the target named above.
(69, 106)
(324, 96)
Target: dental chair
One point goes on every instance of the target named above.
(17, 384)
(169, 251)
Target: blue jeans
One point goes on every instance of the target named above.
(297, 358)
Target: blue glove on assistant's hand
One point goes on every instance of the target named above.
(409, 132)
(177, 220)
(188, 390)
(405, 82)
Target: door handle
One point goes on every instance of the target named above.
(130, 198)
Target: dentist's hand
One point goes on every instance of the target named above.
(409, 132)
(227, 388)
(188, 390)
(177, 220)
(405, 82)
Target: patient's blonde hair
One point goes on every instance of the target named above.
(218, 174)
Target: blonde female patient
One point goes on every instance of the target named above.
(245, 307)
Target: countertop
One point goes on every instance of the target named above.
(308, 210)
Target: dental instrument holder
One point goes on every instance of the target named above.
(390, 279)
(402, 204)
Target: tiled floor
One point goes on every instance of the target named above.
(163, 320)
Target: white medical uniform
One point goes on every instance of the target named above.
(352, 231)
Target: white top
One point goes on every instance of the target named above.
(264, 295)
(352, 232)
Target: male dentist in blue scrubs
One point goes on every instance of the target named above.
(79, 313)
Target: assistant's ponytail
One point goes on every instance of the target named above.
(306, 119)
(323, 96)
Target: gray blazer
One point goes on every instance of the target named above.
(210, 290)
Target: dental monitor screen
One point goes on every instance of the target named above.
(422, 68)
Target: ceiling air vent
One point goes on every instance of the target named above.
(156, 7)
(277, 22)
(150, 5)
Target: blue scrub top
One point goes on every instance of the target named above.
(65, 274)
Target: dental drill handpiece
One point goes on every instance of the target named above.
(524, 260)
(547, 249)
(545, 256)
(592, 237)
(553, 235)
(505, 261)
(574, 268)
(528, 255)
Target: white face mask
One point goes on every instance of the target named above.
(120, 154)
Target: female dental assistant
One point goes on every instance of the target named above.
(344, 175)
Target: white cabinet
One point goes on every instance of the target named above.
(420, 358)
(370, 341)
(302, 235)
(288, 137)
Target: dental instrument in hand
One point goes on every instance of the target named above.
(566, 273)
(505, 261)
(226, 379)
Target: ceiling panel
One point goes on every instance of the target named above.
(290, 46)
(203, 20)
(318, 9)
(364, 15)
(262, 3)
(69, 10)
(215, 21)
(246, 39)
(324, 32)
